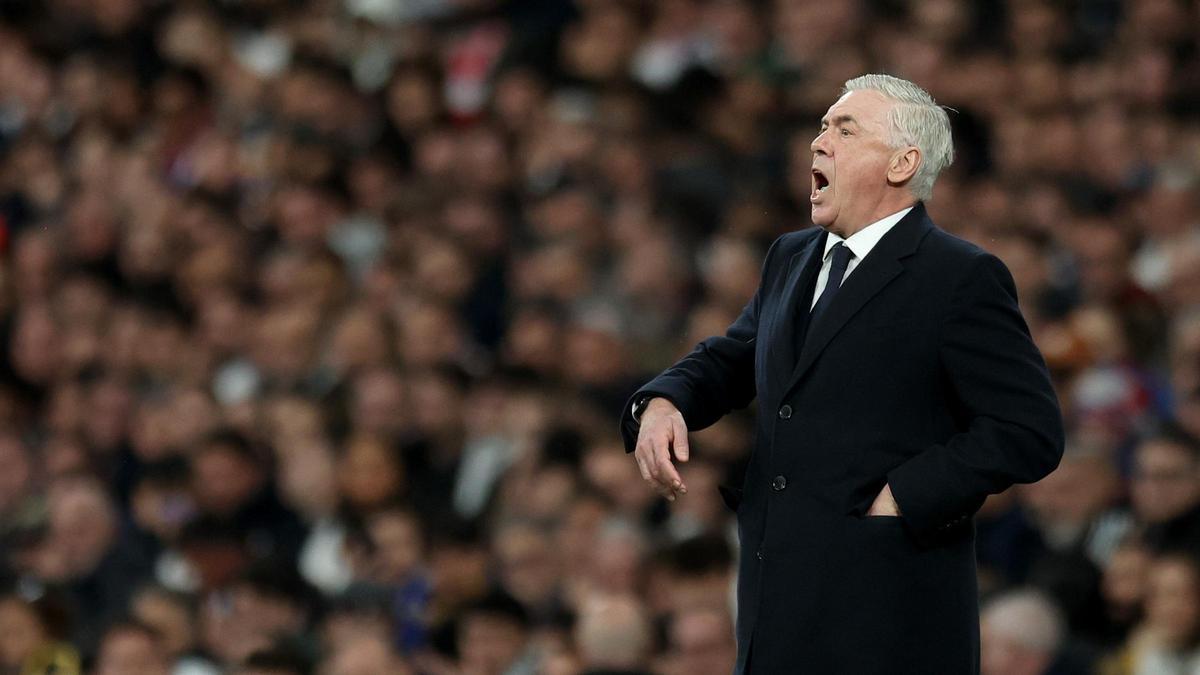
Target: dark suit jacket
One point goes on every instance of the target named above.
(921, 375)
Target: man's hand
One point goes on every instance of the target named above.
(884, 504)
(662, 431)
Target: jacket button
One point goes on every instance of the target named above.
(785, 413)
(778, 483)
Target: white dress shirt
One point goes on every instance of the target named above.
(860, 244)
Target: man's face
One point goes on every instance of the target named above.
(223, 480)
(850, 162)
(398, 538)
(1004, 654)
(131, 653)
(704, 644)
(1171, 608)
(1166, 482)
(20, 632)
(490, 643)
(82, 528)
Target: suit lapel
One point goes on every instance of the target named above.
(802, 269)
(876, 271)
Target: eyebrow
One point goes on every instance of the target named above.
(839, 120)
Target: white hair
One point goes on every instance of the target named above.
(1027, 617)
(917, 120)
(613, 632)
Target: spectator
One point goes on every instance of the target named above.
(527, 566)
(1166, 640)
(18, 500)
(613, 634)
(1124, 588)
(365, 656)
(266, 606)
(351, 292)
(172, 616)
(131, 649)
(87, 551)
(307, 480)
(232, 489)
(1022, 632)
(702, 572)
(360, 611)
(30, 639)
(459, 575)
(616, 556)
(389, 555)
(1166, 490)
(493, 637)
(700, 642)
(162, 505)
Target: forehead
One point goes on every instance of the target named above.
(866, 106)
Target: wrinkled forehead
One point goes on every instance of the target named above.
(866, 107)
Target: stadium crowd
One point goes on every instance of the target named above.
(317, 316)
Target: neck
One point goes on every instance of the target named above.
(885, 207)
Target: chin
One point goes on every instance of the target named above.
(821, 217)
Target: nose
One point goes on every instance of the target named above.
(820, 144)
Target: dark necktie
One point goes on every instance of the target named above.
(837, 270)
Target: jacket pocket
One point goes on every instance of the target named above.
(732, 496)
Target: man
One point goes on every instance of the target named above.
(365, 655)
(1165, 490)
(613, 635)
(96, 561)
(1022, 633)
(132, 648)
(891, 404)
(700, 643)
(494, 637)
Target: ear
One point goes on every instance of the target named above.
(904, 165)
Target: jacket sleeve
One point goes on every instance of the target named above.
(998, 380)
(716, 377)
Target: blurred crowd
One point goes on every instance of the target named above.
(317, 316)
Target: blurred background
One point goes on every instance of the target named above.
(317, 317)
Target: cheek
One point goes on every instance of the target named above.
(865, 169)
(863, 172)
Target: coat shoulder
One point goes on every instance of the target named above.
(789, 244)
(792, 242)
(954, 254)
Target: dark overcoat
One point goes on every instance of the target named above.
(922, 375)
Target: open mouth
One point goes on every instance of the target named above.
(819, 182)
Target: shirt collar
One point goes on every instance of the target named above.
(860, 243)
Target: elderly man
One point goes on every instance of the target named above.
(897, 387)
(1022, 633)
